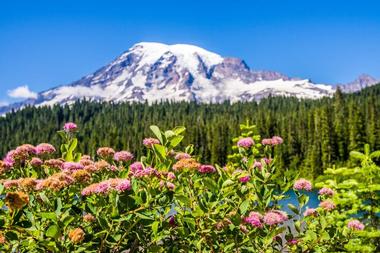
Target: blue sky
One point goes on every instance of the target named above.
(44, 44)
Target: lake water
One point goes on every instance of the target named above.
(313, 200)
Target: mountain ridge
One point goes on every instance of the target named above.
(151, 71)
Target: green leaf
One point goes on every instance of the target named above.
(375, 154)
(169, 134)
(73, 145)
(160, 150)
(155, 227)
(180, 129)
(52, 231)
(62, 134)
(293, 208)
(357, 155)
(182, 198)
(210, 184)
(77, 157)
(50, 216)
(157, 133)
(67, 220)
(189, 149)
(175, 141)
(143, 216)
(244, 206)
(11, 236)
(228, 182)
(229, 246)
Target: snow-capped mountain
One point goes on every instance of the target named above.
(359, 83)
(156, 72)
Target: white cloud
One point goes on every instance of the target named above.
(22, 92)
(3, 103)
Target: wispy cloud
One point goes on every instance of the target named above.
(3, 103)
(22, 92)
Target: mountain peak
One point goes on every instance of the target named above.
(362, 81)
(151, 71)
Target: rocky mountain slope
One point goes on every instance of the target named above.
(156, 72)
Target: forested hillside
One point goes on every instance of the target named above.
(317, 133)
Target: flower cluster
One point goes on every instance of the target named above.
(206, 169)
(36, 162)
(355, 225)
(302, 184)
(45, 149)
(149, 142)
(70, 127)
(55, 182)
(326, 191)
(310, 212)
(328, 205)
(270, 218)
(72, 166)
(186, 163)
(254, 219)
(275, 140)
(16, 200)
(181, 155)
(104, 187)
(245, 142)
(76, 235)
(275, 217)
(123, 156)
(105, 152)
(146, 172)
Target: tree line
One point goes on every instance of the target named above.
(317, 133)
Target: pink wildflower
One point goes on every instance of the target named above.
(10, 183)
(293, 241)
(328, 205)
(207, 169)
(149, 142)
(267, 160)
(54, 163)
(136, 167)
(326, 191)
(22, 152)
(70, 127)
(9, 159)
(258, 165)
(105, 152)
(180, 156)
(72, 166)
(245, 142)
(123, 156)
(276, 140)
(45, 149)
(170, 186)
(171, 176)
(147, 172)
(355, 225)
(310, 212)
(302, 184)
(123, 185)
(36, 162)
(266, 141)
(275, 217)
(244, 179)
(254, 219)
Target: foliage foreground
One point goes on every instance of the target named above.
(167, 201)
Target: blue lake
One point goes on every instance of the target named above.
(313, 200)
